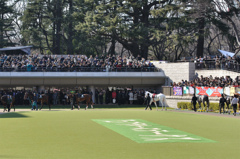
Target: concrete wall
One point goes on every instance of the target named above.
(82, 78)
(175, 72)
(82, 74)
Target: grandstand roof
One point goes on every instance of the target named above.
(16, 50)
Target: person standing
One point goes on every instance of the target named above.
(135, 97)
(34, 101)
(194, 102)
(55, 97)
(9, 102)
(131, 97)
(114, 96)
(148, 102)
(234, 103)
(100, 95)
(222, 102)
(119, 97)
(96, 96)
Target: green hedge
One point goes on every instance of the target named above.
(189, 106)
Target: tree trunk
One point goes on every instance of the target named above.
(58, 31)
(200, 43)
(1, 33)
(113, 45)
(144, 51)
(70, 29)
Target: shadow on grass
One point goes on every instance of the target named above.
(5, 156)
(13, 115)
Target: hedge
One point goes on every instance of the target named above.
(189, 106)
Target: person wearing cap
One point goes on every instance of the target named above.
(222, 102)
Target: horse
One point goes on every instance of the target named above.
(84, 97)
(203, 99)
(42, 100)
(4, 99)
(157, 97)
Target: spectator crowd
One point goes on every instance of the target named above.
(215, 62)
(218, 62)
(209, 82)
(74, 63)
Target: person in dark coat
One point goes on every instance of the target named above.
(148, 99)
(123, 97)
(107, 97)
(50, 97)
(222, 102)
(119, 97)
(100, 96)
(194, 102)
(96, 96)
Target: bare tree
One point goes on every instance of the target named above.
(229, 11)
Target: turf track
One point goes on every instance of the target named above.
(73, 134)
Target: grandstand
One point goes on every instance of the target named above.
(49, 72)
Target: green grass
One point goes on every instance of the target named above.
(73, 134)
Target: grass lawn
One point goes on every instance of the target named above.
(74, 135)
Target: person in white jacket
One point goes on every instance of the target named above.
(131, 97)
(234, 103)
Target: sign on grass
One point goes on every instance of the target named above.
(142, 131)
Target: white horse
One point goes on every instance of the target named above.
(158, 97)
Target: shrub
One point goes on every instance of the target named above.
(189, 106)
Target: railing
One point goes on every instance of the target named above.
(211, 65)
(78, 69)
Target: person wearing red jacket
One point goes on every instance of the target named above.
(114, 96)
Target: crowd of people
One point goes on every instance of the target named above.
(102, 96)
(74, 63)
(217, 62)
(209, 82)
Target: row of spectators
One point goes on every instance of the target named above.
(210, 82)
(218, 62)
(74, 63)
(215, 62)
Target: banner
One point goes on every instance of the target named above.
(185, 90)
(209, 91)
(238, 90)
(227, 91)
(177, 91)
(232, 91)
(188, 90)
(191, 90)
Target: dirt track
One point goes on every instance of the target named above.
(179, 111)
